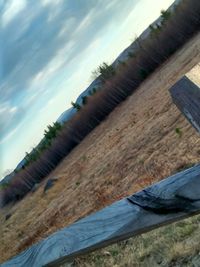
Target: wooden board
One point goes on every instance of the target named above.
(186, 96)
(172, 199)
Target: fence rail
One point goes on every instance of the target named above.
(170, 200)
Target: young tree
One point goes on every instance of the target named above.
(105, 72)
(155, 29)
(84, 100)
(76, 106)
(92, 91)
(165, 15)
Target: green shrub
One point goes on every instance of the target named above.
(93, 91)
(105, 72)
(178, 132)
(76, 106)
(165, 15)
(84, 100)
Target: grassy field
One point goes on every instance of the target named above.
(170, 246)
(135, 146)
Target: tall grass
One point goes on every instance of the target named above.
(176, 30)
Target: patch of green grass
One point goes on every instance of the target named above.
(178, 132)
(185, 230)
(114, 252)
(83, 158)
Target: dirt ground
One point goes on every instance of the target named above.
(135, 146)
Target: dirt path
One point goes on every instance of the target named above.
(135, 146)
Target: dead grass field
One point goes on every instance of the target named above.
(135, 146)
(175, 245)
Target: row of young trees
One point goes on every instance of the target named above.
(176, 29)
(84, 99)
(49, 134)
(104, 72)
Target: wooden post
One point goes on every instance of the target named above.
(186, 96)
(172, 199)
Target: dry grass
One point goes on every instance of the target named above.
(135, 146)
(170, 246)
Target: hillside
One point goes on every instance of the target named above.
(135, 146)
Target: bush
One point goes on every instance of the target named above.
(178, 132)
(165, 15)
(76, 106)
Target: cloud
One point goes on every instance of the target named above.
(52, 3)
(43, 37)
(85, 22)
(10, 134)
(42, 40)
(13, 110)
(9, 119)
(12, 8)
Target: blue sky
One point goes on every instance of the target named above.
(48, 50)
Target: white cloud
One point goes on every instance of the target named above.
(111, 4)
(55, 7)
(48, 72)
(50, 102)
(10, 134)
(47, 105)
(50, 2)
(30, 99)
(41, 79)
(13, 109)
(5, 109)
(85, 22)
(2, 109)
(12, 9)
(68, 24)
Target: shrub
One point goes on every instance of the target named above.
(178, 132)
(84, 100)
(165, 15)
(104, 72)
(76, 106)
(92, 91)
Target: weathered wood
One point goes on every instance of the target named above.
(172, 199)
(186, 96)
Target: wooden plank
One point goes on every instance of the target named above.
(186, 96)
(172, 199)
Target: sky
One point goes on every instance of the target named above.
(48, 50)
